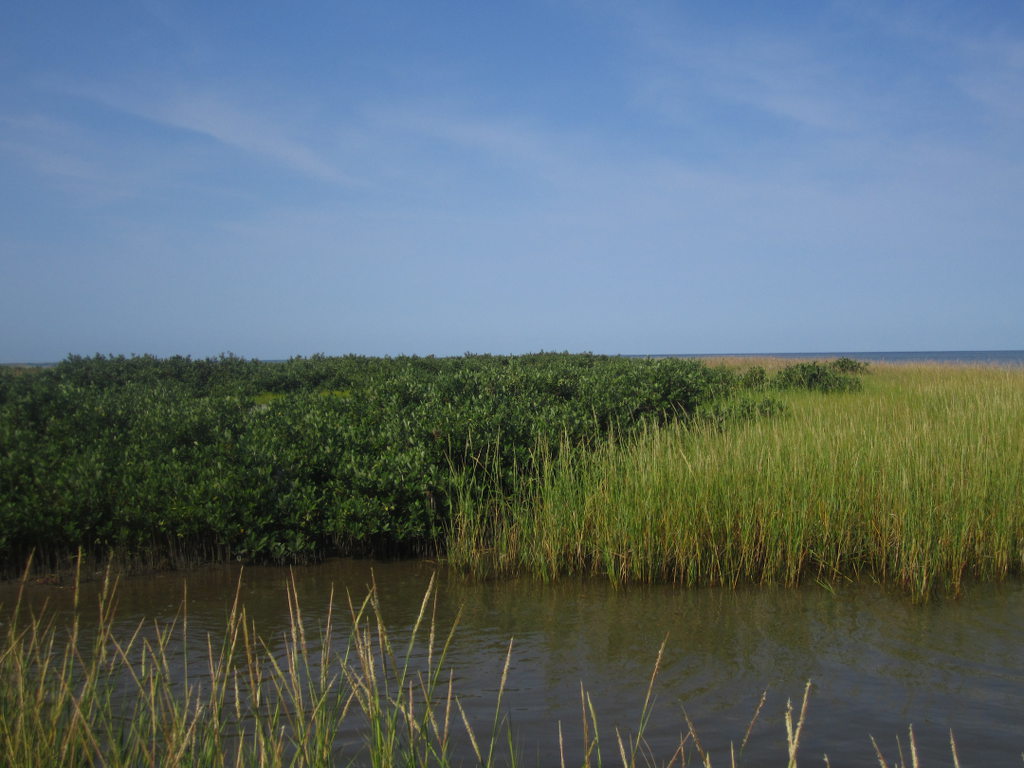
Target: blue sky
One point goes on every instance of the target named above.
(278, 179)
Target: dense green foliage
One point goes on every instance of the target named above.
(229, 457)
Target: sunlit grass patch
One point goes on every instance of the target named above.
(918, 481)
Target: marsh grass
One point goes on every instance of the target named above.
(74, 696)
(916, 481)
(84, 693)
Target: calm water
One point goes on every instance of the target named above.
(878, 662)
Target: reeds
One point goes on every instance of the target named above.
(82, 694)
(86, 694)
(916, 481)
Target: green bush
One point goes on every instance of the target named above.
(815, 376)
(848, 365)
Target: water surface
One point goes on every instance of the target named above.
(878, 661)
(1010, 357)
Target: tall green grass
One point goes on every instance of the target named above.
(916, 481)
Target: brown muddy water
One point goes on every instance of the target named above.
(878, 662)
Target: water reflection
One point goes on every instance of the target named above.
(878, 661)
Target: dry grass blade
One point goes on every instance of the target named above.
(679, 754)
(585, 727)
(497, 704)
(793, 734)
(704, 756)
(878, 753)
(597, 738)
(469, 732)
(622, 750)
(753, 720)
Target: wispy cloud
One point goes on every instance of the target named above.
(687, 72)
(512, 142)
(994, 79)
(220, 117)
(976, 55)
(247, 130)
(61, 152)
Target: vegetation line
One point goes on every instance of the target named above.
(549, 464)
(177, 460)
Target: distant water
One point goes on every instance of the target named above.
(993, 356)
(996, 357)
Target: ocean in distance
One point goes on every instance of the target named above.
(1012, 357)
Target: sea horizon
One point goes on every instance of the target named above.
(1003, 356)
